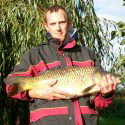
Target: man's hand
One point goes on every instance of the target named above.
(108, 85)
(48, 92)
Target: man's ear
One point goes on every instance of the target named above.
(46, 27)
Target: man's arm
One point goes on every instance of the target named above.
(27, 69)
(107, 91)
(48, 92)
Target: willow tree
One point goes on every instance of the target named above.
(21, 27)
(119, 34)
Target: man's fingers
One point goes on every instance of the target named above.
(108, 85)
(104, 82)
(56, 93)
(59, 96)
(114, 86)
(109, 80)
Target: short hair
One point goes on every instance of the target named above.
(55, 8)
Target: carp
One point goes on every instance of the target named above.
(76, 81)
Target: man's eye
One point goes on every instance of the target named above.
(62, 22)
(52, 24)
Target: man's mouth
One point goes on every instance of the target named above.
(58, 33)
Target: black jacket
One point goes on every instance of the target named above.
(54, 55)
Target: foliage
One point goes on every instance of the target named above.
(119, 33)
(22, 26)
(116, 109)
(124, 3)
(112, 121)
(19, 30)
(120, 93)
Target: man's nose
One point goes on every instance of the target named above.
(58, 27)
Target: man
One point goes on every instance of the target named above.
(48, 105)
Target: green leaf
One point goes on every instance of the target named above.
(123, 34)
(113, 35)
(122, 79)
(120, 24)
(122, 42)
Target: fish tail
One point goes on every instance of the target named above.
(15, 89)
(16, 85)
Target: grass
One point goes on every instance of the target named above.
(112, 121)
(115, 118)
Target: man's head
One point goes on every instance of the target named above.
(57, 22)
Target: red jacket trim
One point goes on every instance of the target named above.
(87, 63)
(54, 64)
(40, 67)
(37, 114)
(87, 110)
(32, 71)
(43, 112)
(70, 45)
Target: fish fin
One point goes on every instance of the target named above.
(92, 90)
(69, 96)
(89, 88)
(16, 85)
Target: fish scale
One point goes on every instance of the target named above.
(76, 81)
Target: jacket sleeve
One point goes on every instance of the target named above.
(98, 100)
(103, 102)
(25, 68)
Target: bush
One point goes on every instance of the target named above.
(116, 109)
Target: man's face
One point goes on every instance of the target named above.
(57, 24)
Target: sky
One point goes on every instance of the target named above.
(110, 9)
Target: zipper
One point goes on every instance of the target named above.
(67, 59)
(75, 102)
(77, 112)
